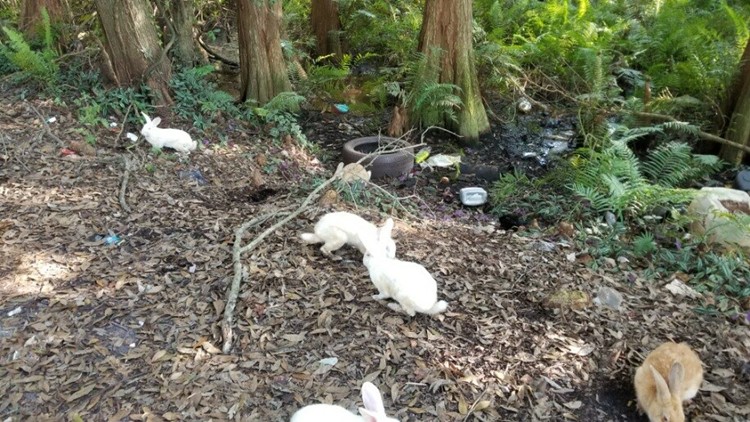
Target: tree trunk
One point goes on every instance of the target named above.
(739, 120)
(30, 20)
(326, 25)
(263, 73)
(445, 40)
(133, 48)
(186, 49)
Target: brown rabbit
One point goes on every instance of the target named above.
(670, 374)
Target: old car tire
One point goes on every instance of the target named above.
(393, 164)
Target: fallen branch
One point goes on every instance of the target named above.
(46, 126)
(701, 134)
(216, 55)
(124, 184)
(124, 122)
(238, 249)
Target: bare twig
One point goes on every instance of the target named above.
(474, 405)
(124, 184)
(701, 134)
(124, 122)
(238, 250)
(47, 129)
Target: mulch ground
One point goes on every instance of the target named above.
(131, 330)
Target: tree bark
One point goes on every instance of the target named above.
(445, 40)
(326, 25)
(263, 73)
(186, 50)
(30, 20)
(738, 129)
(132, 45)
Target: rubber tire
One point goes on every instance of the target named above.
(395, 164)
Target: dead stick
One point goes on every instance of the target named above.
(124, 185)
(124, 122)
(474, 405)
(701, 134)
(238, 249)
(46, 126)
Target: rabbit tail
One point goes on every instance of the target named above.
(439, 307)
(310, 238)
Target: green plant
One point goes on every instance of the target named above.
(280, 115)
(96, 107)
(198, 99)
(329, 78)
(517, 197)
(673, 164)
(389, 27)
(430, 102)
(644, 244)
(725, 276)
(615, 180)
(39, 65)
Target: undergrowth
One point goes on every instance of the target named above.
(593, 52)
(39, 64)
(633, 207)
(198, 99)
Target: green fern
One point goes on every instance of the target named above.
(673, 164)
(430, 102)
(40, 65)
(285, 102)
(644, 244)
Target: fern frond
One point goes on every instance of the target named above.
(285, 102)
(597, 200)
(673, 164)
(430, 102)
(41, 66)
(682, 127)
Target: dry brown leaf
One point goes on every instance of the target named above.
(81, 392)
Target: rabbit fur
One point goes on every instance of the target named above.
(374, 411)
(408, 283)
(337, 229)
(670, 374)
(177, 139)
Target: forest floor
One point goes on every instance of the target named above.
(130, 330)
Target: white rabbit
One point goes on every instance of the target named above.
(177, 139)
(337, 229)
(408, 283)
(374, 411)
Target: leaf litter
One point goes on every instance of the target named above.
(131, 330)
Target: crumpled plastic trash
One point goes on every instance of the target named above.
(678, 288)
(195, 175)
(609, 298)
(441, 160)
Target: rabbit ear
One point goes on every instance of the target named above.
(676, 375)
(385, 231)
(372, 399)
(145, 116)
(367, 415)
(662, 389)
(156, 121)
